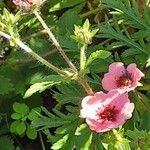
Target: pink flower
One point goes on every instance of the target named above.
(121, 78)
(26, 5)
(104, 112)
(17, 2)
(31, 1)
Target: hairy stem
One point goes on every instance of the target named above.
(82, 57)
(39, 58)
(33, 54)
(52, 37)
(26, 61)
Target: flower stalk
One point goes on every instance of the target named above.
(85, 85)
(56, 43)
(82, 57)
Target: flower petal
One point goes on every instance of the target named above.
(93, 100)
(103, 126)
(120, 101)
(109, 82)
(127, 110)
(88, 113)
(135, 72)
(97, 126)
(117, 68)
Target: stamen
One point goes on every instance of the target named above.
(124, 80)
(109, 113)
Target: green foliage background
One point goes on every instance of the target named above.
(123, 35)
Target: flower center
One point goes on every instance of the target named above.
(109, 113)
(124, 80)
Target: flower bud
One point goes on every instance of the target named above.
(83, 35)
(28, 5)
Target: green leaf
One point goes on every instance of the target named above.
(65, 29)
(31, 133)
(14, 125)
(116, 141)
(45, 83)
(139, 139)
(66, 22)
(45, 122)
(38, 87)
(20, 128)
(83, 137)
(129, 12)
(69, 138)
(148, 63)
(16, 116)
(102, 54)
(34, 113)
(59, 144)
(22, 109)
(98, 144)
(72, 93)
(109, 32)
(122, 145)
(130, 52)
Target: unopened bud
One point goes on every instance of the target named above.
(28, 5)
(84, 35)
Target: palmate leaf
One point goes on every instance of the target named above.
(58, 120)
(97, 142)
(139, 139)
(21, 109)
(129, 12)
(69, 93)
(130, 52)
(68, 142)
(83, 137)
(102, 54)
(108, 32)
(44, 83)
(97, 55)
(59, 144)
(76, 136)
(54, 120)
(70, 132)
